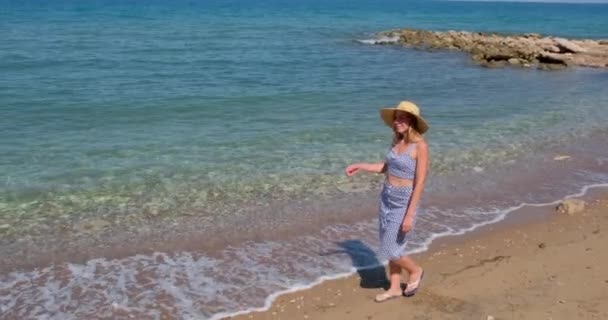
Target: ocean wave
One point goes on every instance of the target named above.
(380, 40)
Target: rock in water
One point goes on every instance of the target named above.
(514, 61)
(571, 206)
(560, 158)
(497, 50)
(94, 225)
(568, 46)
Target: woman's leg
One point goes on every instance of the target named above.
(394, 270)
(413, 269)
(395, 289)
(395, 267)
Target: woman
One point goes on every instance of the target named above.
(406, 167)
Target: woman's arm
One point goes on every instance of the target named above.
(379, 167)
(422, 170)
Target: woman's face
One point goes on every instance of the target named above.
(403, 121)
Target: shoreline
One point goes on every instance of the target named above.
(272, 273)
(191, 231)
(529, 221)
(270, 295)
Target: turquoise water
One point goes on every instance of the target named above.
(121, 109)
(190, 104)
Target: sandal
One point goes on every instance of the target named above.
(413, 286)
(385, 296)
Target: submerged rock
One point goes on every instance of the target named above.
(571, 206)
(497, 50)
(93, 225)
(561, 158)
(514, 61)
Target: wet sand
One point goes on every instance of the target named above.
(537, 264)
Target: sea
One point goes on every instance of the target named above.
(185, 159)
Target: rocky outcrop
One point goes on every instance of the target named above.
(492, 49)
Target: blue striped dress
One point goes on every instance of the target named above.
(394, 202)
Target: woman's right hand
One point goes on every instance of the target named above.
(352, 169)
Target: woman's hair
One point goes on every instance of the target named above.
(412, 135)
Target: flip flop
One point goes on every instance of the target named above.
(414, 286)
(386, 297)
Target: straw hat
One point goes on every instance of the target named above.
(388, 115)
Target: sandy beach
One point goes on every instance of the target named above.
(537, 264)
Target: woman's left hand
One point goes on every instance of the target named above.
(407, 225)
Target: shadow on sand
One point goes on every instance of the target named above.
(364, 259)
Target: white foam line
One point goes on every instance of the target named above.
(274, 296)
(380, 40)
(270, 300)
